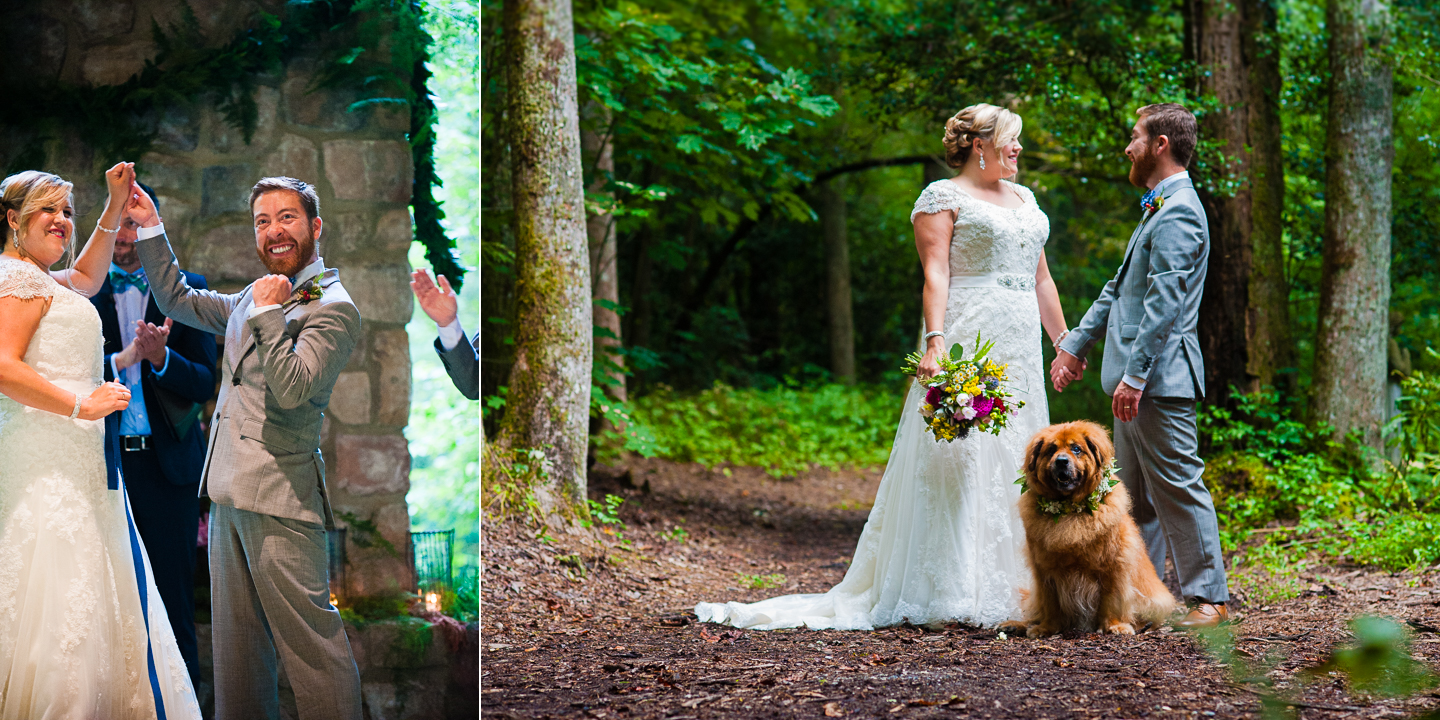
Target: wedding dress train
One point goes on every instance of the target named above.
(83, 632)
(944, 540)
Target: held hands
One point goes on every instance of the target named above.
(442, 306)
(118, 181)
(108, 398)
(1065, 369)
(271, 290)
(139, 207)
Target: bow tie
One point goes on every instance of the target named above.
(1152, 202)
(119, 280)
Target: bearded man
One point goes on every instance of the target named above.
(287, 337)
(1153, 368)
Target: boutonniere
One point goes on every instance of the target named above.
(1155, 204)
(305, 293)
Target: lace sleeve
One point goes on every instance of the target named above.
(941, 195)
(22, 280)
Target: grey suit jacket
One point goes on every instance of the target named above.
(462, 362)
(1149, 309)
(279, 369)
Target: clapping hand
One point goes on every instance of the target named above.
(440, 302)
(150, 341)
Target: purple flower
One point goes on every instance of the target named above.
(982, 405)
(934, 395)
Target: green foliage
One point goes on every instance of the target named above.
(760, 582)
(675, 534)
(1378, 661)
(786, 430)
(607, 512)
(387, 605)
(364, 533)
(509, 487)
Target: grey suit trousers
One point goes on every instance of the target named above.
(1161, 467)
(270, 592)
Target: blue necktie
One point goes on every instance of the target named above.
(119, 280)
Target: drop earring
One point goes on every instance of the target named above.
(982, 158)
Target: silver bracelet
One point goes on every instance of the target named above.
(1059, 338)
(932, 333)
(104, 229)
(76, 412)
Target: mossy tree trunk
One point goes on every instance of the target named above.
(548, 407)
(604, 269)
(841, 310)
(1244, 327)
(1350, 350)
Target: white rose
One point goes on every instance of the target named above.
(967, 412)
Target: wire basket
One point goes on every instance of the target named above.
(431, 555)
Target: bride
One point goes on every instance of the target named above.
(944, 541)
(83, 633)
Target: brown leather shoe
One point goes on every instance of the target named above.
(1203, 615)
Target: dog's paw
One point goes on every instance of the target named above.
(1039, 631)
(1013, 627)
(1120, 628)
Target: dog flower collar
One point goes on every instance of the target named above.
(1058, 508)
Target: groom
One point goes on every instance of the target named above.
(287, 336)
(1153, 367)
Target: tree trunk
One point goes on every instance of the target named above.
(1244, 325)
(1349, 378)
(837, 286)
(549, 403)
(604, 271)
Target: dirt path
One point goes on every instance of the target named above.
(575, 627)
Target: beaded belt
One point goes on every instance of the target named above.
(1012, 281)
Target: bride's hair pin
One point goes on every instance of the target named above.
(991, 123)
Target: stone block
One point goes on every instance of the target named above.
(227, 138)
(114, 64)
(323, 109)
(395, 231)
(103, 19)
(166, 172)
(348, 234)
(38, 44)
(373, 464)
(378, 170)
(179, 128)
(294, 157)
(177, 213)
(225, 189)
(226, 256)
(381, 292)
(350, 401)
(391, 350)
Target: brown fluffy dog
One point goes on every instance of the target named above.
(1091, 570)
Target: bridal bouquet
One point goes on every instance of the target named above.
(968, 393)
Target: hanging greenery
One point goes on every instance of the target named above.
(376, 48)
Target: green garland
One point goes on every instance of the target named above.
(118, 121)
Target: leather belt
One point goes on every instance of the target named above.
(134, 443)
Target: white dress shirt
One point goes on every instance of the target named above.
(452, 335)
(130, 307)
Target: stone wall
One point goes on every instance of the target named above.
(203, 169)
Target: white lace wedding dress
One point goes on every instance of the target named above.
(944, 541)
(83, 633)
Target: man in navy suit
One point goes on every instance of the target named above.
(170, 370)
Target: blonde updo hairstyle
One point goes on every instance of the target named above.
(25, 193)
(991, 123)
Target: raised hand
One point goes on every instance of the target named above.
(106, 399)
(150, 341)
(118, 181)
(271, 290)
(440, 302)
(139, 208)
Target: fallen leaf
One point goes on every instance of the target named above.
(832, 709)
(921, 703)
(709, 637)
(897, 708)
